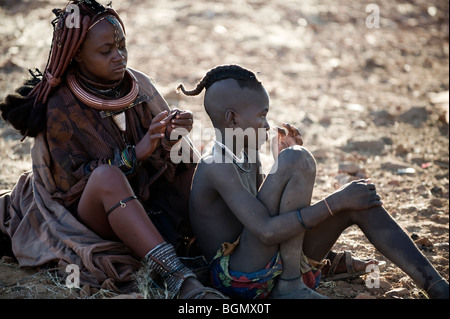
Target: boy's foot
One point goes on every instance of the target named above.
(295, 289)
(344, 266)
(439, 290)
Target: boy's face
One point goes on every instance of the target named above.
(252, 117)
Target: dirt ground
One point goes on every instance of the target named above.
(370, 102)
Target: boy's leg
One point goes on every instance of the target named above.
(386, 236)
(287, 189)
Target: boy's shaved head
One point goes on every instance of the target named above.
(220, 96)
(224, 87)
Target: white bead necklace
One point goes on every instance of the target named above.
(236, 161)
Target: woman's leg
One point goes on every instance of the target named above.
(106, 187)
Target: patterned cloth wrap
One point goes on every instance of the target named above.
(256, 285)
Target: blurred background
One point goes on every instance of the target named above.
(366, 82)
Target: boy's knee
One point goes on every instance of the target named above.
(297, 157)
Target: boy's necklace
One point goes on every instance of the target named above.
(236, 161)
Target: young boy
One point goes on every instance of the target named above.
(256, 230)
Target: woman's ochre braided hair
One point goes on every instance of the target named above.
(245, 79)
(26, 108)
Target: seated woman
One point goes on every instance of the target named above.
(103, 192)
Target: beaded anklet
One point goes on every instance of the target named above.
(164, 262)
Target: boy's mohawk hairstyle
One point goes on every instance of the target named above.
(245, 78)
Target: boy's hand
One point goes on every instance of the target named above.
(283, 140)
(356, 195)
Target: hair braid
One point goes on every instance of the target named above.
(244, 77)
(26, 109)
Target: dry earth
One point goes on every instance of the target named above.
(370, 102)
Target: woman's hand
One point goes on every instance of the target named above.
(180, 124)
(155, 133)
(283, 140)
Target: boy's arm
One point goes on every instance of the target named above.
(224, 179)
(260, 175)
(356, 195)
(274, 230)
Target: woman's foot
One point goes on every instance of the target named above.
(193, 289)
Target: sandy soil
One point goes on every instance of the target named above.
(370, 102)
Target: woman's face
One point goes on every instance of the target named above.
(103, 54)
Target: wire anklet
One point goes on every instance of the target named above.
(290, 279)
(434, 284)
(121, 204)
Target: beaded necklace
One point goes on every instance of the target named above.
(236, 161)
